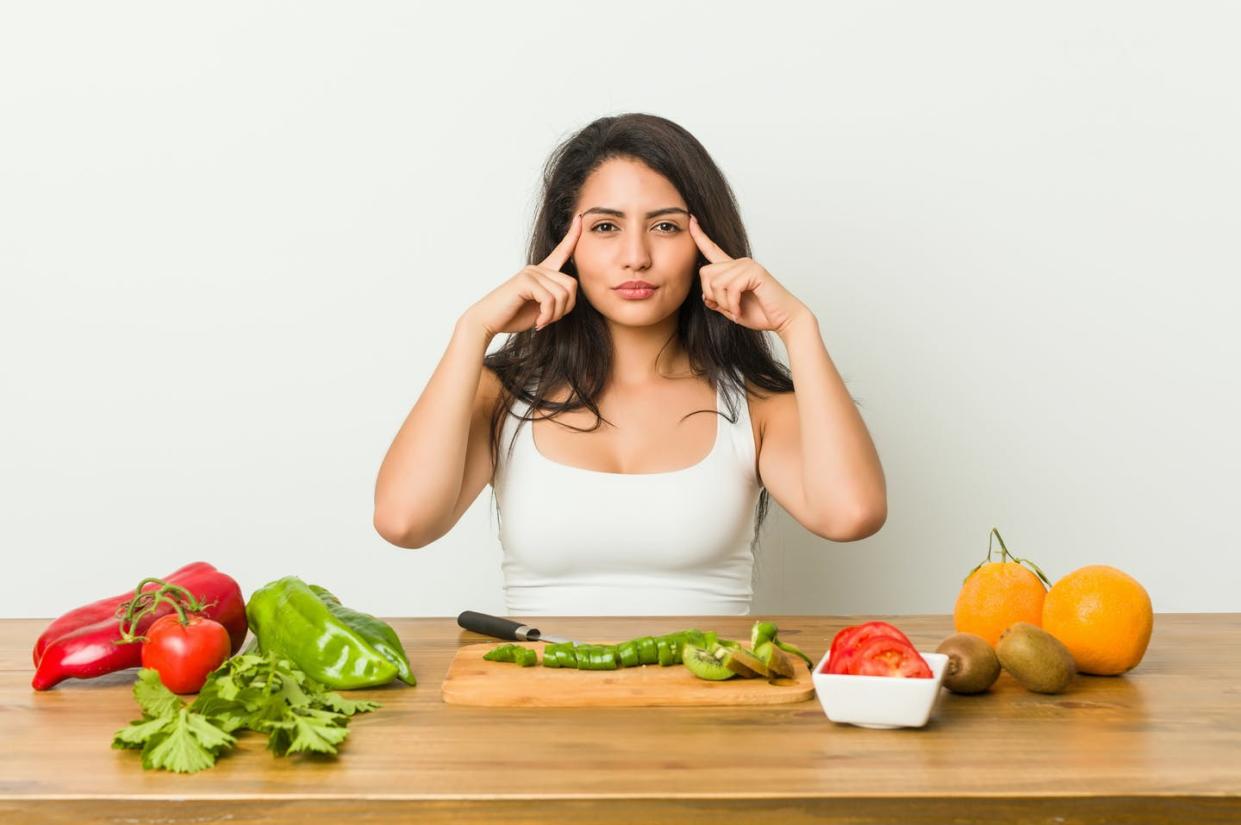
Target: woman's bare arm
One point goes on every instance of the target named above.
(441, 458)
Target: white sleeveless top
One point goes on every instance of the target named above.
(580, 542)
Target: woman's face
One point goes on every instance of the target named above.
(635, 227)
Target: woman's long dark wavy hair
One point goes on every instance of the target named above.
(576, 351)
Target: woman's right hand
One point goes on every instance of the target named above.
(538, 295)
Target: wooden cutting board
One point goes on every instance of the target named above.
(472, 680)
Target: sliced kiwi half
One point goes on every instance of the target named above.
(741, 661)
(704, 664)
(780, 665)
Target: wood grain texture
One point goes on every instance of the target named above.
(472, 680)
(1159, 744)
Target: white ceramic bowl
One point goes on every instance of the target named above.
(879, 701)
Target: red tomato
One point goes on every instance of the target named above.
(184, 654)
(888, 656)
(849, 640)
(840, 643)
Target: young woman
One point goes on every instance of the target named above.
(641, 308)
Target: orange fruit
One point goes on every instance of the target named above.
(997, 593)
(1103, 616)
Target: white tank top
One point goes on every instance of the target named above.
(580, 542)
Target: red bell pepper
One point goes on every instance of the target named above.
(86, 641)
(104, 609)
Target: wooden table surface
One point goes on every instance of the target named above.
(1159, 744)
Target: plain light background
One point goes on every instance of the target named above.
(234, 240)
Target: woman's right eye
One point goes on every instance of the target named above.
(604, 223)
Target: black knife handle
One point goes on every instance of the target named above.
(497, 627)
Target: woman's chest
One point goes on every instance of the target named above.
(642, 432)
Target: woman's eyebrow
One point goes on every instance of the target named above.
(667, 210)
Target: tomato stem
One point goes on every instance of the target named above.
(133, 611)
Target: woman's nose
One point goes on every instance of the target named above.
(635, 252)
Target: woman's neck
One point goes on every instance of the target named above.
(646, 355)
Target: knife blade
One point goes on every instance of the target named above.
(502, 628)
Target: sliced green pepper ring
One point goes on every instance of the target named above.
(628, 652)
(677, 645)
(695, 637)
(664, 652)
(762, 632)
(648, 651)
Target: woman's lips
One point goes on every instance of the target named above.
(636, 294)
(636, 290)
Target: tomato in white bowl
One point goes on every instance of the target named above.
(874, 677)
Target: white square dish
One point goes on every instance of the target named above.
(879, 701)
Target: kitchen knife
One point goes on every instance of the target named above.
(505, 628)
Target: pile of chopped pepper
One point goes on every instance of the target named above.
(644, 650)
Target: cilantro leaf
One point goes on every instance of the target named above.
(154, 699)
(263, 692)
(315, 734)
(189, 743)
(334, 701)
(139, 731)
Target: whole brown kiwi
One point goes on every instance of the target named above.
(1035, 658)
(972, 664)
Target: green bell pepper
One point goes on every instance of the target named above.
(376, 631)
(288, 617)
(523, 656)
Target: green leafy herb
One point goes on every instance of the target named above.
(263, 693)
(171, 736)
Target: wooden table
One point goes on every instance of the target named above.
(1160, 744)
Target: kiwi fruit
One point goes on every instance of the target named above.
(780, 665)
(1035, 658)
(740, 661)
(703, 664)
(972, 664)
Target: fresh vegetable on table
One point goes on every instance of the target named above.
(523, 656)
(767, 633)
(705, 654)
(875, 648)
(376, 631)
(267, 694)
(289, 617)
(84, 642)
(183, 647)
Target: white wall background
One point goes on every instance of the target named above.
(234, 239)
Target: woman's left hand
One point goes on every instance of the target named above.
(741, 289)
